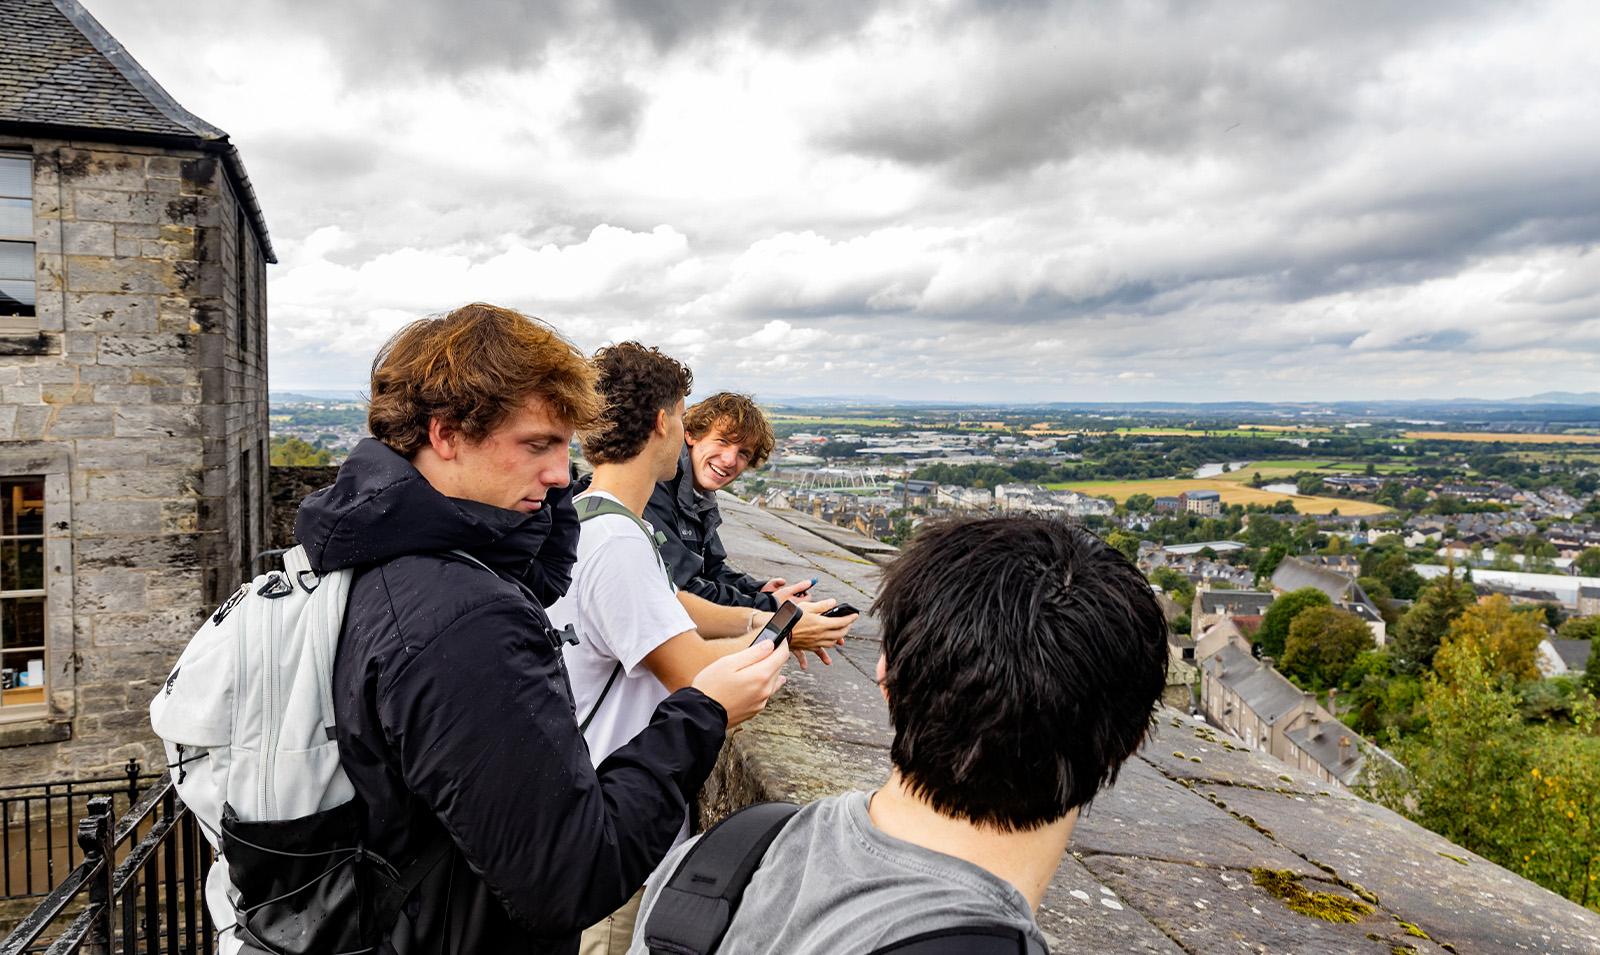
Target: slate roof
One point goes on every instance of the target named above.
(1238, 603)
(1160, 863)
(62, 74)
(1574, 653)
(1321, 742)
(58, 66)
(1295, 574)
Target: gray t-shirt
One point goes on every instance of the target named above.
(832, 884)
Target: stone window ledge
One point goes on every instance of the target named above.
(29, 344)
(33, 732)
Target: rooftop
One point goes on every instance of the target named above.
(1161, 862)
(62, 75)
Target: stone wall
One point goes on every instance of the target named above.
(144, 398)
(288, 487)
(1200, 846)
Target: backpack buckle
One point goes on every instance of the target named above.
(277, 585)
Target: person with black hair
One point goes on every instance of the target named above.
(1022, 659)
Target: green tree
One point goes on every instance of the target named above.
(289, 451)
(1322, 644)
(1270, 560)
(1176, 585)
(1139, 504)
(1588, 562)
(1417, 637)
(1124, 542)
(1501, 642)
(1591, 673)
(1280, 616)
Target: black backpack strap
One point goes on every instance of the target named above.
(393, 887)
(696, 906)
(964, 940)
(591, 506)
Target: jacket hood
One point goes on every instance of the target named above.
(381, 507)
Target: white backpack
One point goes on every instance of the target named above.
(246, 716)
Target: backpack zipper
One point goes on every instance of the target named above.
(269, 707)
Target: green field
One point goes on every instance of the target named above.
(1232, 492)
(835, 420)
(1286, 467)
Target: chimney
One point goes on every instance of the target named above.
(1266, 661)
(1344, 749)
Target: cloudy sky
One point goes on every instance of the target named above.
(962, 199)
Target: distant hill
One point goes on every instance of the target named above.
(312, 397)
(1591, 398)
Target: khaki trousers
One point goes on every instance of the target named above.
(613, 934)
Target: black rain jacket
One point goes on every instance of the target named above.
(455, 718)
(693, 551)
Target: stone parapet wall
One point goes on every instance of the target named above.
(1170, 859)
(137, 391)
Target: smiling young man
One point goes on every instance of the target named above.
(724, 436)
(639, 640)
(455, 721)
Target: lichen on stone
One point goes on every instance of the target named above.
(1285, 887)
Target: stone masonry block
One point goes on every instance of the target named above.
(30, 422)
(8, 421)
(180, 517)
(116, 592)
(21, 394)
(81, 421)
(102, 375)
(49, 313)
(164, 167)
(117, 517)
(174, 452)
(155, 350)
(92, 273)
(103, 312)
(122, 394)
(162, 483)
(112, 453)
(156, 420)
(98, 169)
(101, 206)
(165, 626)
(90, 238)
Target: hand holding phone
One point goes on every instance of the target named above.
(778, 628)
(843, 610)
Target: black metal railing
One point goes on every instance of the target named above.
(138, 889)
(38, 822)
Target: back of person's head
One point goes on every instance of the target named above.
(738, 419)
(1024, 660)
(636, 383)
(473, 368)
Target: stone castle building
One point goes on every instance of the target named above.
(133, 388)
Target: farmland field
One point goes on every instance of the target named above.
(781, 418)
(1509, 437)
(1232, 491)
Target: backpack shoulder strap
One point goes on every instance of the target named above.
(591, 506)
(695, 907)
(965, 940)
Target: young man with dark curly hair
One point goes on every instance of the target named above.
(639, 640)
(455, 721)
(724, 436)
(1022, 659)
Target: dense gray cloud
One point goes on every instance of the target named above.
(1013, 200)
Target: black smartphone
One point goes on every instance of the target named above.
(843, 610)
(782, 623)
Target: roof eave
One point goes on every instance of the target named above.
(232, 162)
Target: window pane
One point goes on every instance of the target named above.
(16, 298)
(22, 678)
(16, 218)
(16, 177)
(21, 505)
(21, 623)
(16, 260)
(22, 564)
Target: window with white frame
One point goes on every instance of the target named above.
(22, 593)
(17, 284)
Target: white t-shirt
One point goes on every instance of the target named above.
(622, 605)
